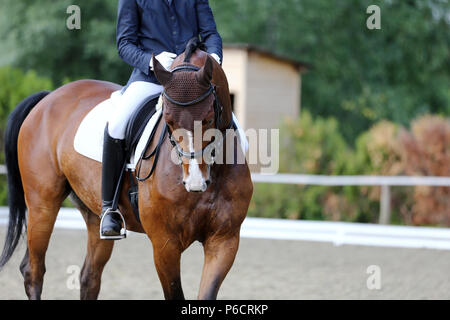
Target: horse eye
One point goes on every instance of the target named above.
(209, 122)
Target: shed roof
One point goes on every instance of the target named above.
(301, 66)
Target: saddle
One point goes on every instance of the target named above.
(138, 122)
(134, 130)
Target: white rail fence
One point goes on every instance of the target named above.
(385, 182)
(338, 233)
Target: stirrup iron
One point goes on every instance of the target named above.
(123, 231)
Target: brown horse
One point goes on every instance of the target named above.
(43, 169)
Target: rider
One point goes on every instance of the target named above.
(146, 27)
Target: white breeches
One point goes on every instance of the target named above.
(129, 101)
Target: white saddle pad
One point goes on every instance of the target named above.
(89, 137)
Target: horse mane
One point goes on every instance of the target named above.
(192, 45)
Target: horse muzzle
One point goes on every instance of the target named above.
(196, 187)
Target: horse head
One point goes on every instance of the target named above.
(191, 108)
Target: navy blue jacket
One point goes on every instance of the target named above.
(153, 26)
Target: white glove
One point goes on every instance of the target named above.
(216, 57)
(165, 58)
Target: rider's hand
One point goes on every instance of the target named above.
(216, 57)
(165, 58)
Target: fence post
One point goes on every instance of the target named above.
(385, 205)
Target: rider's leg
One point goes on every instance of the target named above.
(113, 148)
(131, 99)
(112, 163)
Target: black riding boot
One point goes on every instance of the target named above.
(113, 160)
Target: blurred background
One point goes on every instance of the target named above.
(348, 100)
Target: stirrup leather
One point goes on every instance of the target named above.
(123, 231)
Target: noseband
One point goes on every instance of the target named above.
(218, 109)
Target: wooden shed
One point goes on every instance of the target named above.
(264, 87)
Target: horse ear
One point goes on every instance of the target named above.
(161, 73)
(204, 75)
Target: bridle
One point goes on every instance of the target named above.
(210, 149)
(218, 109)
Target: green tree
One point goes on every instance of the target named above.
(310, 146)
(34, 36)
(16, 86)
(358, 76)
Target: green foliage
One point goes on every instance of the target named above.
(34, 36)
(358, 76)
(317, 147)
(16, 86)
(311, 147)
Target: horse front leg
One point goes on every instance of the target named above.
(167, 256)
(219, 252)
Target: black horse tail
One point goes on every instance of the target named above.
(192, 45)
(16, 199)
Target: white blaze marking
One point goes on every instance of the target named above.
(195, 180)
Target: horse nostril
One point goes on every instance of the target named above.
(184, 182)
(208, 182)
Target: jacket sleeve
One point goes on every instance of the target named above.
(207, 28)
(128, 22)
